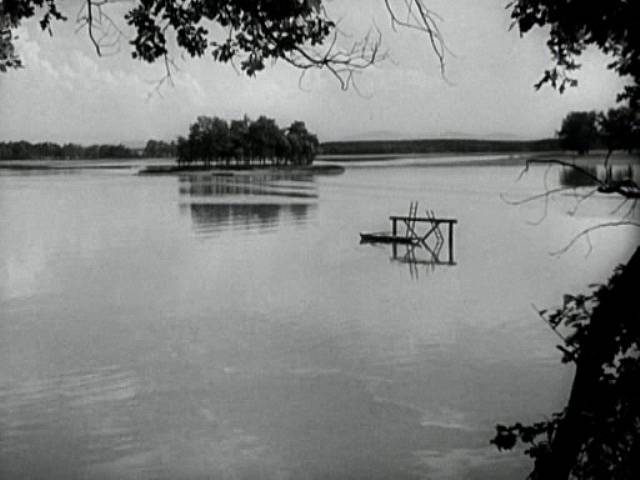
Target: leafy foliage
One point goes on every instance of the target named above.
(250, 33)
(12, 12)
(246, 142)
(619, 129)
(256, 30)
(596, 436)
(578, 131)
(611, 26)
(247, 33)
(8, 56)
(616, 129)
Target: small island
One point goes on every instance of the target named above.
(245, 144)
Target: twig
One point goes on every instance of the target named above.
(587, 231)
(104, 33)
(532, 198)
(421, 19)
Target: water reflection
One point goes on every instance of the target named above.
(282, 185)
(209, 218)
(425, 255)
(250, 203)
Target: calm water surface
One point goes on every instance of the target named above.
(234, 327)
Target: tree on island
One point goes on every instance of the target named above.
(212, 141)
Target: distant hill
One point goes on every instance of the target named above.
(373, 135)
(437, 145)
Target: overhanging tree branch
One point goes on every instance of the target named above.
(298, 32)
(104, 32)
(424, 21)
(627, 189)
(585, 233)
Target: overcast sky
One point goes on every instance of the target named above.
(67, 93)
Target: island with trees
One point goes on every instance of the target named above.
(214, 143)
(246, 142)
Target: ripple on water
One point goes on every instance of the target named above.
(60, 425)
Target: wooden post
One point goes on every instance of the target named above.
(450, 242)
(394, 226)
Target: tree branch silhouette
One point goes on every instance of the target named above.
(424, 20)
(627, 189)
(299, 33)
(587, 231)
(103, 31)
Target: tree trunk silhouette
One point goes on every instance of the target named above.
(588, 395)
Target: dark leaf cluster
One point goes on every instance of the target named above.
(15, 11)
(11, 13)
(247, 33)
(251, 31)
(600, 427)
(611, 26)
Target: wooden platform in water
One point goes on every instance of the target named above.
(384, 237)
(419, 232)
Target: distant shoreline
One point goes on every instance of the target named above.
(490, 159)
(328, 164)
(438, 146)
(232, 170)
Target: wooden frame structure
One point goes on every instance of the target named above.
(417, 232)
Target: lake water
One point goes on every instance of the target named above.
(234, 327)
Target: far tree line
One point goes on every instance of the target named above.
(214, 141)
(617, 129)
(23, 150)
(48, 150)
